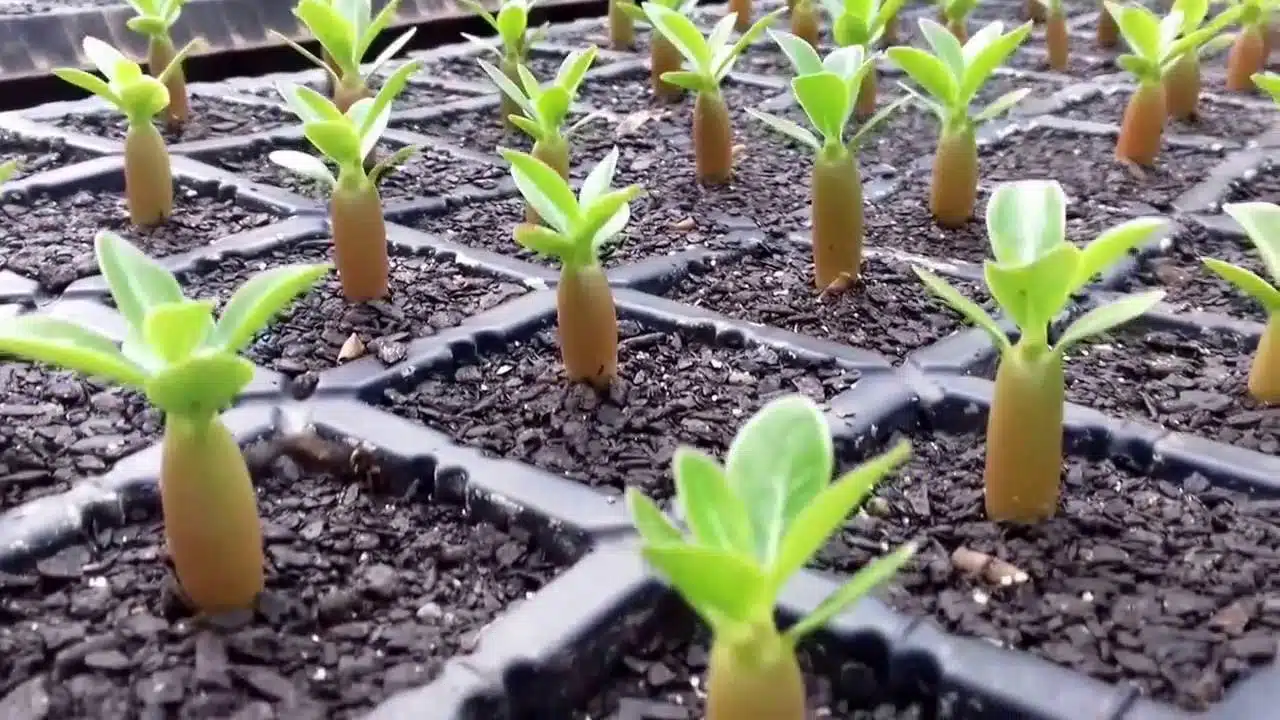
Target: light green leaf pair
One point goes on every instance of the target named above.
(137, 95)
(185, 362)
(346, 29)
(860, 22)
(546, 107)
(760, 518)
(709, 58)
(154, 17)
(578, 227)
(1261, 222)
(1036, 270)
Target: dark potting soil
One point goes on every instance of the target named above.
(57, 427)
(1188, 383)
(430, 172)
(671, 388)
(629, 93)
(1189, 286)
(211, 118)
(773, 285)
(543, 63)
(477, 130)
(1079, 65)
(1086, 167)
(36, 155)
(50, 239)
(1264, 186)
(1218, 118)
(1103, 596)
(39, 7)
(366, 596)
(414, 95)
(427, 294)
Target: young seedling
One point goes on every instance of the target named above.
(1182, 76)
(355, 209)
(622, 27)
(863, 23)
(189, 367)
(148, 177)
(1261, 221)
(711, 58)
(1252, 45)
(346, 30)
(154, 19)
(663, 55)
(512, 27)
(1056, 40)
(1033, 276)
(827, 91)
(952, 77)
(805, 22)
(955, 15)
(575, 230)
(753, 523)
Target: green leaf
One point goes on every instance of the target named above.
(598, 180)
(379, 113)
(7, 169)
(682, 34)
(142, 99)
(175, 65)
(718, 38)
(574, 68)
(391, 50)
(875, 120)
(1001, 105)
(308, 166)
(826, 100)
(200, 387)
(930, 73)
(787, 128)
(654, 527)
(334, 33)
(530, 127)
(1261, 222)
(803, 57)
(862, 583)
(1025, 220)
(718, 584)
(108, 60)
(380, 22)
(606, 217)
(783, 452)
(1107, 317)
(176, 330)
(1170, 27)
(513, 21)
(963, 305)
(544, 189)
(1140, 68)
(1140, 28)
(137, 282)
(1247, 282)
(715, 514)
(479, 9)
(1032, 294)
(89, 83)
(722, 60)
(945, 46)
(695, 82)
(553, 106)
(986, 61)
(337, 140)
(1111, 246)
(980, 40)
(61, 343)
(543, 241)
(309, 105)
(1193, 13)
(391, 162)
(259, 300)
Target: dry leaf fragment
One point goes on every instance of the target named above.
(991, 569)
(351, 349)
(684, 225)
(843, 282)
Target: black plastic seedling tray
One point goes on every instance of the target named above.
(443, 514)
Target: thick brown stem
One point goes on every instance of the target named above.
(160, 54)
(555, 153)
(954, 184)
(211, 520)
(360, 243)
(1143, 125)
(148, 179)
(663, 58)
(743, 10)
(1248, 56)
(622, 29)
(1264, 376)
(890, 36)
(1182, 87)
(755, 683)
(866, 104)
(712, 139)
(837, 219)
(1034, 11)
(1024, 438)
(349, 92)
(804, 22)
(1056, 40)
(588, 325)
(1107, 33)
(960, 28)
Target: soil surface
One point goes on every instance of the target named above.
(50, 239)
(57, 427)
(671, 389)
(36, 155)
(1264, 186)
(632, 92)
(366, 596)
(1103, 596)
(543, 63)
(1079, 66)
(415, 94)
(428, 294)
(478, 130)
(211, 118)
(1217, 118)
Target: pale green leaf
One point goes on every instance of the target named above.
(1140, 29)
(605, 218)
(787, 128)
(930, 73)
(574, 68)
(1034, 293)
(599, 180)
(722, 60)
(873, 122)
(1268, 82)
(1107, 317)
(682, 34)
(693, 81)
(513, 21)
(987, 60)
(718, 584)
(1261, 222)
(803, 57)
(715, 514)
(108, 60)
(826, 99)
(174, 331)
(654, 527)
(306, 165)
(1025, 220)
(963, 305)
(309, 105)
(8, 169)
(89, 83)
(380, 22)
(143, 98)
(1001, 105)
(202, 386)
(1248, 283)
(331, 30)
(64, 344)
(256, 303)
(863, 582)
(391, 162)
(945, 46)
(544, 189)
(337, 140)
(391, 50)
(1113, 245)
(137, 282)
(375, 121)
(544, 241)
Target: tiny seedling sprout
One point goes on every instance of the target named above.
(1033, 277)
(753, 523)
(1261, 221)
(359, 229)
(147, 173)
(512, 27)
(710, 59)
(827, 90)
(863, 23)
(189, 367)
(950, 78)
(154, 19)
(574, 230)
(1056, 40)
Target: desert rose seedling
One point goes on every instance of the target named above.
(154, 19)
(663, 55)
(955, 15)
(189, 367)
(827, 91)
(753, 523)
(1252, 45)
(711, 58)
(622, 27)
(148, 176)
(1269, 83)
(863, 23)
(574, 231)
(512, 27)
(346, 30)
(1056, 41)
(806, 21)
(355, 209)
(1261, 221)
(1182, 75)
(1033, 276)
(950, 78)
(1106, 32)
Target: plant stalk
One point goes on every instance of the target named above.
(1107, 32)
(959, 27)
(712, 139)
(160, 54)
(837, 218)
(804, 22)
(588, 325)
(1264, 376)
(1182, 87)
(349, 92)
(865, 106)
(359, 242)
(1248, 56)
(1024, 437)
(148, 179)
(211, 519)
(1143, 125)
(756, 679)
(743, 9)
(622, 29)
(1056, 40)
(663, 58)
(554, 151)
(954, 184)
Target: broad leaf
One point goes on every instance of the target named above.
(695, 82)
(543, 240)
(137, 282)
(64, 344)
(89, 83)
(787, 128)
(1025, 220)
(143, 98)
(1140, 29)
(309, 105)
(930, 73)
(985, 62)
(513, 21)
(380, 22)
(727, 583)
(722, 60)
(598, 180)
(682, 34)
(332, 30)
(803, 57)
(945, 46)
(391, 50)
(1107, 317)
(1248, 283)
(259, 300)
(1269, 82)
(1112, 246)
(574, 68)
(108, 60)
(963, 305)
(176, 330)
(1034, 293)
(337, 140)
(826, 100)
(200, 387)
(654, 527)
(544, 189)
(715, 514)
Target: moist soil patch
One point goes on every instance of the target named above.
(1217, 118)
(414, 95)
(366, 596)
(430, 172)
(631, 92)
(479, 130)
(1079, 66)
(40, 7)
(773, 285)
(37, 155)
(428, 293)
(672, 389)
(1135, 580)
(57, 428)
(211, 118)
(1263, 186)
(50, 238)
(542, 62)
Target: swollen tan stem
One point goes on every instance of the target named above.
(1248, 56)
(588, 325)
(349, 92)
(1143, 125)
(837, 218)
(359, 242)
(554, 151)
(712, 139)
(866, 103)
(1056, 39)
(1182, 87)
(211, 519)
(1033, 10)
(622, 29)
(160, 53)
(890, 36)
(760, 681)
(148, 179)
(954, 184)
(1264, 376)
(959, 27)
(1107, 33)
(663, 58)
(804, 22)
(1024, 437)
(743, 10)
